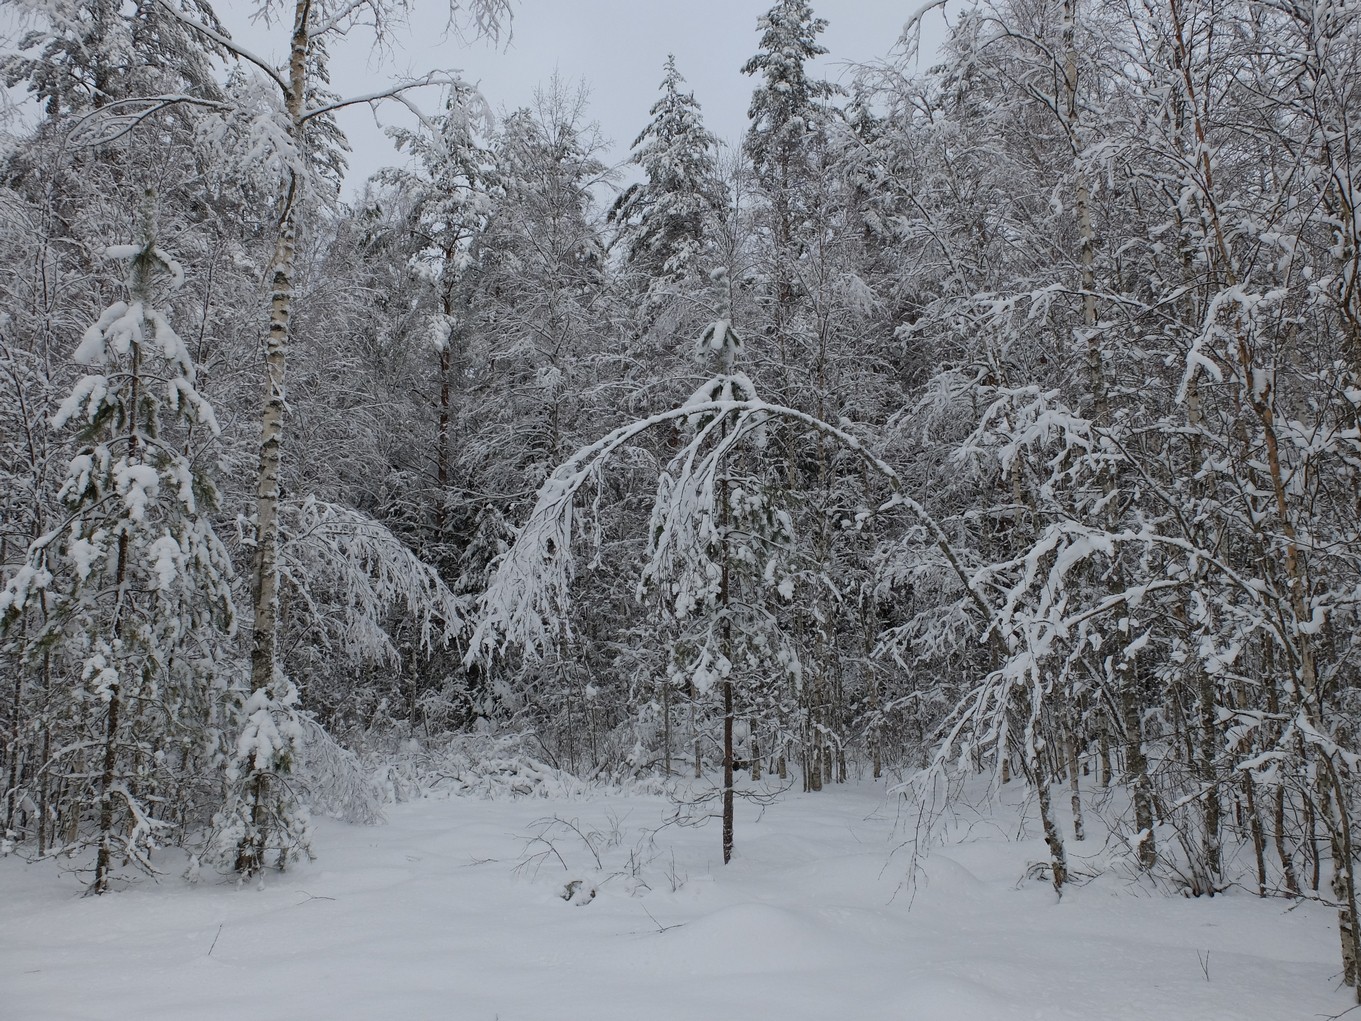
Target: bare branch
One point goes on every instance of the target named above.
(226, 42)
(397, 92)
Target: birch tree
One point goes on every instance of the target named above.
(293, 108)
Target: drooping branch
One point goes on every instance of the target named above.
(526, 601)
(351, 573)
(106, 124)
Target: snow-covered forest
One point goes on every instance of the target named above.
(984, 428)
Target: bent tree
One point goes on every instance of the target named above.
(709, 534)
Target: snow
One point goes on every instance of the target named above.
(139, 485)
(84, 552)
(269, 731)
(88, 394)
(27, 580)
(459, 908)
(165, 555)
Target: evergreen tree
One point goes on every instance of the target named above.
(444, 205)
(122, 59)
(789, 114)
(666, 221)
(128, 599)
(788, 107)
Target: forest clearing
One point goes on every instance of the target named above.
(454, 909)
(950, 489)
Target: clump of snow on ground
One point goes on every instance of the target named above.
(465, 907)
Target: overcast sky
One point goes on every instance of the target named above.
(615, 47)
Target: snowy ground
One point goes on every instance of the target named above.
(453, 910)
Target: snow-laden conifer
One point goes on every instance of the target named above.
(666, 221)
(127, 599)
(787, 105)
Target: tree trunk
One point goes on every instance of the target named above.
(109, 771)
(694, 729)
(1209, 735)
(264, 652)
(1136, 766)
(1103, 775)
(12, 786)
(1058, 858)
(442, 440)
(265, 565)
(1083, 203)
(724, 601)
(1079, 831)
(814, 760)
(666, 725)
(1292, 883)
(1311, 826)
(727, 771)
(1344, 873)
(107, 776)
(1258, 837)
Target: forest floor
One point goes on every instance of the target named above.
(454, 909)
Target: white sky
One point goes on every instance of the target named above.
(616, 47)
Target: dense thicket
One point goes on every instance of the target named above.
(1001, 417)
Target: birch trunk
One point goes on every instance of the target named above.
(1074, 788)
(724, 600)
(265, 566)
(264, 653)
(1344, 874)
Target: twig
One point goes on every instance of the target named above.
(660, 927)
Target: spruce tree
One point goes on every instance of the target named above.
(666, 221)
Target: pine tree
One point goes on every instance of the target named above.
(789, 113)
(120, 59)
(444, 204)
(787, 106)
(128, 599)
